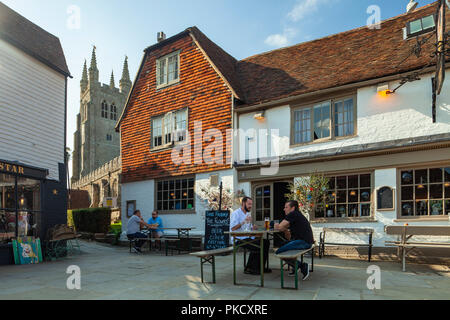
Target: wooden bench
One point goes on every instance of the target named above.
(291, 256)
(368, 231)
(209, 257)
(405, 233)
(167, 242)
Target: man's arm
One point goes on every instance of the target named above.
(283, 226)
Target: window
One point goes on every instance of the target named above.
(104, 110)
(343, 118)
(109, 137)
(169, 128)
(425, 192)
(420, 26)
(113, 112)
(19, 218)
(348, 196)
(175, 194)
(167, 69)
(302, 126)
(157, 132)
(180, 125)
(325, 120)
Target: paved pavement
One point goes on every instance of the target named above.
(109, 272)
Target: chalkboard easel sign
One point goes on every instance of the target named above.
(385, 199)
(216, 224)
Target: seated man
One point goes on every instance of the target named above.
(239, 219)
(301, 233)
(156, 226)
(135, 223)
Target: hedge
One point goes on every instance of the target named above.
(95, 220)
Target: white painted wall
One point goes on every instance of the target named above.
(31, 111)
(407, 113)
(143, 193)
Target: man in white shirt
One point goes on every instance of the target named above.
(240, 219)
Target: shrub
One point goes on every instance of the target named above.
(94, 220)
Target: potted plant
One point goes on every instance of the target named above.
(309, 191)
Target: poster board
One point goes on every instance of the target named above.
(27, 250)
(216, 224)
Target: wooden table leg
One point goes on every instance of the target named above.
(234, 260)
(261, 259)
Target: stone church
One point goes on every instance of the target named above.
(96, 155)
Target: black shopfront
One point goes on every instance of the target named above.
(29, 204)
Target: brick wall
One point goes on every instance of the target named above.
(200, 89)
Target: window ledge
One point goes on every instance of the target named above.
(344, 220)
(162, 148)
(166, 85)
(322, 141)
(418, 219)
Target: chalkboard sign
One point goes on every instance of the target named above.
(216, 223)
(385, 198)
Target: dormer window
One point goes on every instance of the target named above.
(420, 26)
(167, 70)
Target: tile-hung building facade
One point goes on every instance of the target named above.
(183, 80)
(322, 98)
(33, 87)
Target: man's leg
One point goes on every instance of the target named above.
(253, 258)
(140, 243)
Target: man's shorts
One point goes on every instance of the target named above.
(159, 233)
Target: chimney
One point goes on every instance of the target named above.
(412, 5)
(161, 36)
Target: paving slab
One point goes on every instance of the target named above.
(111, 272)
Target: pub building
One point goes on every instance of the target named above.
(340, 106)
(33, 95)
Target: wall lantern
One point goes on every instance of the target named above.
(383, 90)
(260, 116)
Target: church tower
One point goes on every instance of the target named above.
(95, 141)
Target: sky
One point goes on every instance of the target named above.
(241, 27)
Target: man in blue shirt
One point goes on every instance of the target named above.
(156, 226)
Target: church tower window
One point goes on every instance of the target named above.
(104, 110)
(113, 112)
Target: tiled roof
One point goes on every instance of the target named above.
(349, 57)
(32, 39)
(224, 62)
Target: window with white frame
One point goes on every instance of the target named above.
(324, 120)
(169, 128)
(420, 26)
(167, 69)
(175, 194)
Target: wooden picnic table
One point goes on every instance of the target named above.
(249, 234)
(405, 245)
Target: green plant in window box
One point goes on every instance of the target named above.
(310, 191)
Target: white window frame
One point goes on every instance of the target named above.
(169, 126)
(165, 61)
(332, 121)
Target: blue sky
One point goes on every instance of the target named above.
(241, 27)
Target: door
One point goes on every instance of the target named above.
(263, 204)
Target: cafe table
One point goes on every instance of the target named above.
(257, 234)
